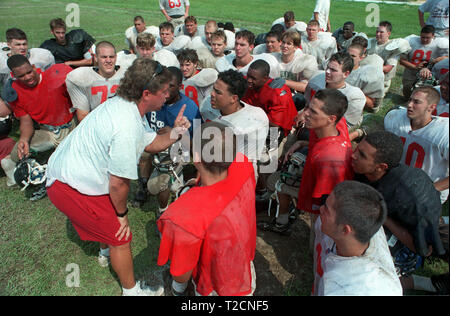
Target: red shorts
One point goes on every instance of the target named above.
(6, 146)
(93, 217)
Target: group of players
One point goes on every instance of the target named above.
(312, 87)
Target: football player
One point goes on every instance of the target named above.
(190, 28)
(425, 137)
(167, 39)
(91, 86)
(321, 46)
(322, 15)
(132, 32)
(438, 16)
(442, 107)
(175, 11)
(426, 50)
(197, 83)
(345, 35)
(272, 45)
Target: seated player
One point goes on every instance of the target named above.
(167, 40)
(241, 59)
(209, 233)
(426, 50)
(328, 162)
(440, 69)
(368, 78)
(6, 143)
(197, 83)
(132, 32)
(351, 255)
(425, 137)
(321, 46)
(297, 68)
(190, 28)
(17, 42)
(345, 35)
(175, 13)
(289, 23)
(89, 87)
(272, 44)
(412, 224)
(74, 48)
(442, 107)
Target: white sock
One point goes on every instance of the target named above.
(423, 283)
(161, 210)
(8, 166)
(104, 252)
(283, 219)
(179, 287)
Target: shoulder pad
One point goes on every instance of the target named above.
(226, 62)
(166, 58)
(81, 76)
(8, 92)
(230, 39)
(79, 36)
(180, 42)
(412, 37)
(197, 42)
(442, 43)
(129, 32)
(278, 21)
(154, 30)
(206, 77)
(277, 83)
(336, 33)
(304, 61)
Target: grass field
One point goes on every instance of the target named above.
(37, 242)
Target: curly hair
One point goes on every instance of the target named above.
(235, 81)
(143, 75)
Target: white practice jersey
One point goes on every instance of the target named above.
(369, 79)
(131, 34)
(420, 53)
(226, 62)
(39, 57)
(373, 60)
(322, 48)
(390, 57)
(426, 148)
(301, 68)
(355, 97)
(199, 86)
(88, 89)
(345, 43)
(372, 274)
(440, 69)
(442, 107)
(178, 43)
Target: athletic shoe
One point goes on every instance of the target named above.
(273, 226)
(39, 194)
(103, 261)
(440, 283)
(176, 293)
(145, 290)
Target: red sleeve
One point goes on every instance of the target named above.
(280, 108)
(179, 246)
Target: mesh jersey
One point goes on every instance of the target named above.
(199, 86)
(226, 62)
(369, 79)
(215, 239)
(373, 273)
(302, 67)
(48, 102)
(322, 48)
(426, 148)
(131, 35)
(389, 57)
(327, 164)
(355, 97)
(419, 53)
(88, 89)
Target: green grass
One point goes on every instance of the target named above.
(37, 242)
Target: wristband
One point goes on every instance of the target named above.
(123, 214)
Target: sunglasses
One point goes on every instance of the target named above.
(158, 70)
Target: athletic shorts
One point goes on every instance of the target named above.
(93, 217)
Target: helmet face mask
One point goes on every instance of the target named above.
(29, 172)
(292, 171)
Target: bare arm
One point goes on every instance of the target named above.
(118, 192)
(186, 14)
(297, 86)
(81, 114)
(80, 63)
(26, 132)
(4, 109)
(421, 18)
(442, 184)
(401, 233)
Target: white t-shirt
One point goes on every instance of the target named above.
(426, 148)
(226, 62)
(438, 13)
(88, 89)
(199, 86)
(355, 97)
(110, 140)
(323, 8)
(372, 274)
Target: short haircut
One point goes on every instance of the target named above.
(219, 34)
(261, 66)
(433, 96)
(314, 23)
(145, 40)
(294, 36)
(350, 23)
(344, 59)
(104, 44)
(387, 25)
(211, 23)
(141, 76)
(237, 85)
(361, 207)
(190, 19)
(334, 102)
(176, 74)
(15, 34)
(16, 61)
(229, 26)
(247, 35)
(361, 40)
(57, 23)
(427, 29)
(166, 26)
(138, 18)
(275, 34)
(357, 46)
(289, 16)
(187, 55)
(389, 147)
(216, 162)
(279, 28)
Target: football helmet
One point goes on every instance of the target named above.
(29, 172)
